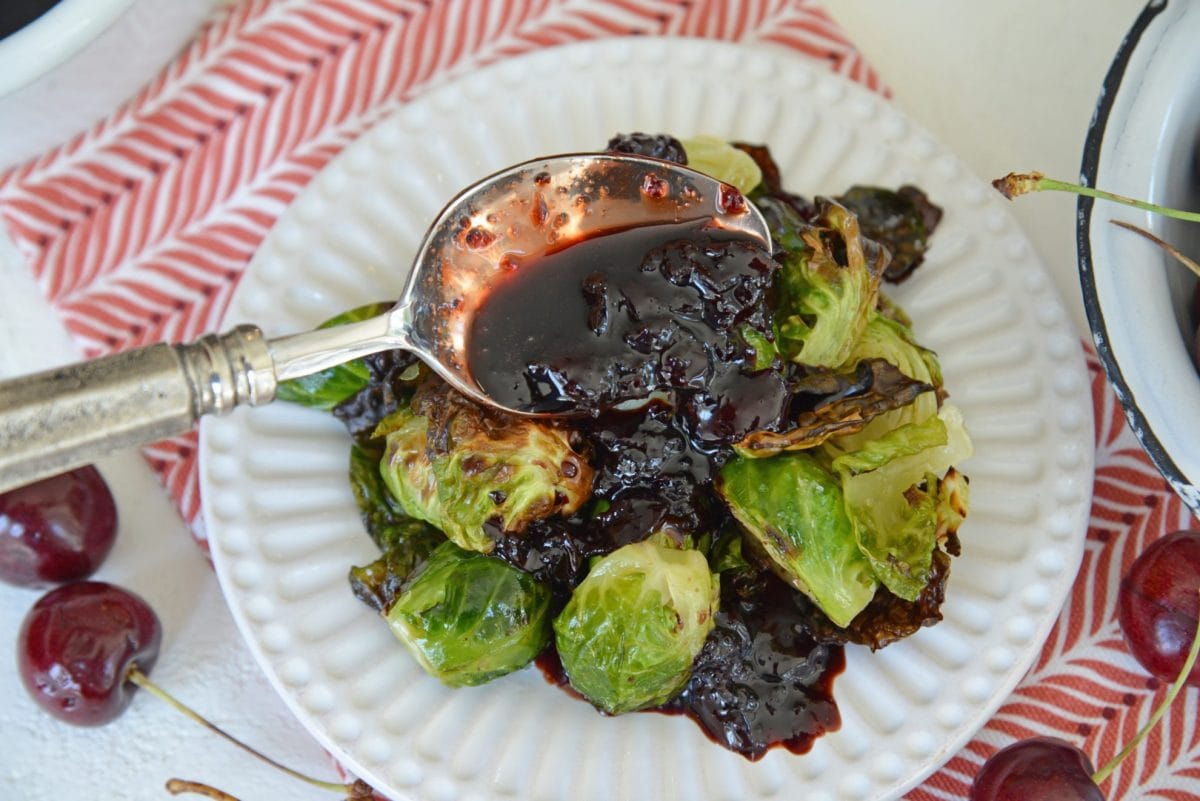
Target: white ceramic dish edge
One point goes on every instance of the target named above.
(1135, 296)
(79, 61)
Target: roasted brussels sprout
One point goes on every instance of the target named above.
(900, 220)
(458, 467)
(894, 496)
(792, 509)
(631, 630)
(827, 285)
(470, 618)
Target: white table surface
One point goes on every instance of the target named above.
(1008, 86)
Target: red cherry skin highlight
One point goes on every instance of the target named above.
(76, 646)
(1158, 605)
(56, 530)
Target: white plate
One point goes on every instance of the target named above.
(284, 529)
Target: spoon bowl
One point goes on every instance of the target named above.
(509, 219)
(63, 418)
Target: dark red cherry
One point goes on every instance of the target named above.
(56, 530)
(1158, 604)
(1037, 769)
(77, 645)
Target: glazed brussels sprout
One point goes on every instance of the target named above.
(470, 618)
(631, 630)
(827, 285)
(458, 467)
(792, 509)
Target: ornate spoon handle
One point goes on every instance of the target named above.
(69, 416)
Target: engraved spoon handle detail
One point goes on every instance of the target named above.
(68, 416)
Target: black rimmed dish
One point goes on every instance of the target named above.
(1143, 142)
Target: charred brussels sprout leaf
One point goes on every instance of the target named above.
(792, 508)
(900, 220)
(890, 340)
(632, 628)
(827, 285)
(328, 388)
(470, 618)
(458, 467)
(894, 497)
(844, 403)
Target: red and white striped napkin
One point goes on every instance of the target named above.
(138, 230)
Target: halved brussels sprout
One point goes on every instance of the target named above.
(894, 495)
(629, 634)
(792, 508)
(459, 466)
(827, 285)
(470, 618)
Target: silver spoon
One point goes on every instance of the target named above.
(69, 416)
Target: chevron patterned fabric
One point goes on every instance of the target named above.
(139, 229)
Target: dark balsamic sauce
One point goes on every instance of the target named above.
(627, 313)
(638, 333)
(761, 681)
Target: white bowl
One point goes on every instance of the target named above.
(1143, 142)
(79, 61)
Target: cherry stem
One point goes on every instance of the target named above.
(136, 676)
(1180, 681)
(181, 786)
(1171, 250)
(1016, 184)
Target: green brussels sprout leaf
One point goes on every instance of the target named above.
(894, 496)
(725, 553)
(714, 156)
(470, 618)
(632, 629)
(328, 388)
(792, 508)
